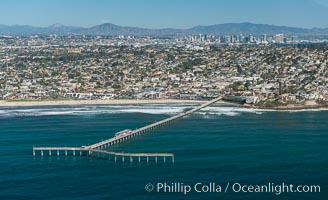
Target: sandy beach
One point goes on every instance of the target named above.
(4, 103)
(95, 102)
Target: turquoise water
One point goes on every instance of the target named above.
(219, 144)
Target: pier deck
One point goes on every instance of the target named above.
(98, 147)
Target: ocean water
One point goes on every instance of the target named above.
(217, 145)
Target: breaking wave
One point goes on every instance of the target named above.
(93, 110)
(234, 111)
(228, 111)
(168, 109)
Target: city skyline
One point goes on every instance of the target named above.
(164, 14)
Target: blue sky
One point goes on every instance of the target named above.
(164, 13)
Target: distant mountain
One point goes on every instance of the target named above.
(61, 29)
(20, 30)
(112, 29)
(248, 28)
(32, 30)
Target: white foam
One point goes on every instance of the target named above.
(169, 109)
(154, 111)
(228, 111)
(234, 111)
(93, 110)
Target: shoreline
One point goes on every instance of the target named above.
(288, 108)
(31, 103)
(4, 103)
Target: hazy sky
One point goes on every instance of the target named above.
(164, 13)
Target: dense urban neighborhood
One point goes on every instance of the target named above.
(267, 70)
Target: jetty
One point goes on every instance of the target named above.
(100, 149)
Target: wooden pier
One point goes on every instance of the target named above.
(139, 131)
(132, 156)
(57, 150)
(115, 156)
(98, 149)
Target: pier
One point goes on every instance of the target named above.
(139, 131)
(115, 156)
(98, 149)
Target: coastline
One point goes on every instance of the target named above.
(4, 103)
(31, 103)
(288, 107)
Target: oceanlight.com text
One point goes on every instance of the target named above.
(212, 187)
